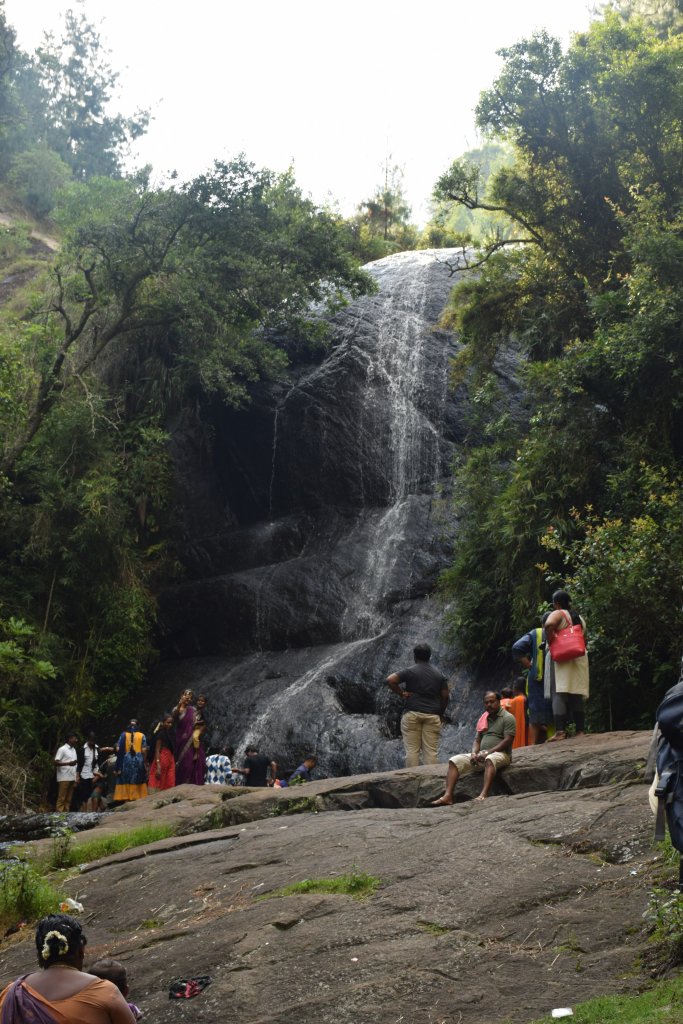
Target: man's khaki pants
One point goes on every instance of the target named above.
(421, 732)
(65, 791)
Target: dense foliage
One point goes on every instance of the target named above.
(580, 483)
(161, 300)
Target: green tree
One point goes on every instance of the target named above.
(453, 224)
(218, 275)
(77, 86)
(588, 128)
(588, 304)
(36, 176)
(60, 98)
(664, 16)
(13, 114)
(8, 58)
(382, 223)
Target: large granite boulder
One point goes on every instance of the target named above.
(483, 912)
(313, 552)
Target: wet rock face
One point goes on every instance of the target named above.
(27, 827)
(317, 537)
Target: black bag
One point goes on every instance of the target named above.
(669, 791)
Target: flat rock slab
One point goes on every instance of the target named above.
(485, 912)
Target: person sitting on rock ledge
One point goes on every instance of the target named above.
(491, 750)
(303, 772)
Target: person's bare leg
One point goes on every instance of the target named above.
(489, 776)
(451, 780)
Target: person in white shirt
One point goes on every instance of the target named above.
(66, 760)
(88, 768)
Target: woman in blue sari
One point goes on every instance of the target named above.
(131, 764)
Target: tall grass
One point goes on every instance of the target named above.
(25, 895)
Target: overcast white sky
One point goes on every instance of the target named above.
(331, 88)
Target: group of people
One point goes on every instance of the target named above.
(543, 702)
(557, 691)
(549, 696)
(93, 777)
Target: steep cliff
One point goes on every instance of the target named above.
(317, 534)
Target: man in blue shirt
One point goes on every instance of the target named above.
(304, 770)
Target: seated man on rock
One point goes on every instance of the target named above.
(491, 750)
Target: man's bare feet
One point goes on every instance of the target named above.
(480, 797)
(558, 736)
(443, 801)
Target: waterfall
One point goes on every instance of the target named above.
(333, 575)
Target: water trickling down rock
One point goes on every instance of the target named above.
(322, 580)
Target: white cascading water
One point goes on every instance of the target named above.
(400, 423)
(398, 365)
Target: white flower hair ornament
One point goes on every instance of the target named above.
(62, 942)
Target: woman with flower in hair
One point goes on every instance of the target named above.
(61, 992)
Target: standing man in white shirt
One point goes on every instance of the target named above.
(66, 760)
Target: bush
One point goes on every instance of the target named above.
(37, 175)
(25, 895)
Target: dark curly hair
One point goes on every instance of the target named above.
(59, 938)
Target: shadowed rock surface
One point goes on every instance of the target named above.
(486, 912)
(315, 536)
